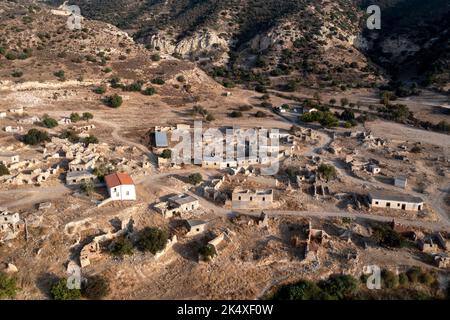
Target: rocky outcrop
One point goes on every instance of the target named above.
(200, 41)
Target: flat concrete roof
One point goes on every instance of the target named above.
(394, 196)
(182, 199)
(161, 139)
(194, 223)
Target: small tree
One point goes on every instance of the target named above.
(344, 102)
(75, 117)
(3, 170)
(414, 274)
(90, 140)
(339, 286)
(96, 287)
(332, 101)
(122, 247)
(60, 291)
(210, 117)
(8, 286)
(149, 91)
(260, 114)
(390, 279)
(100, 90)
(34, 137)
(152, 240)
(88, 187)
(207, 252)
(114, 101)
(195, 178)
(87, 116)
(60, 74)
(327, 171)
(155, 57)
(236, 114)
(166, 154)
(158, 81)
(49, 122)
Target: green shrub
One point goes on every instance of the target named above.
(122, 247)
(8, 286)
(181, 78)
(34, 137)
(245, 108)
(152, 240)
(260, 114)
(339, 286)
(302, 290)
(114, 101)
(427, 278)
(210, 117)
(87, 187)
(60, 291)
(327, 171)
(236, 114)
(3, 170)
(390, 279)
(387, 237)
(155, 57)
(90, 140)
(403, 279)
(86, 116)
(195, 178)
(414, 274)
(49, 122)
(17, 73)
(100, 90)
(96, 287)
(60, 74)
(107, 70)
(166, 154)
(70, 135)
(149, 91)
(75, 117)
(158, 81)
(134, 87)
(207, 252)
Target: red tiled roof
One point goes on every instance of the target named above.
(118, 179)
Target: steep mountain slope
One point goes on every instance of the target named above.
(299, 42)
(37, 49)
(414, 40)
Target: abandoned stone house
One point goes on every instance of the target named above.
(178, 204)
(64, 121)
(17, 110)
(196, 227)
(30, 120)
(89, 252)
(383, 199)
(12, 129)
(9, 158)
(214, 163)
(442, 260)
(82, 164)
(79, 177)
(252, 199)
(427, 245)
(9, 225)
(374, 169)
(400, 182)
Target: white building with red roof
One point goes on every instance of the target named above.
(120, 186)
